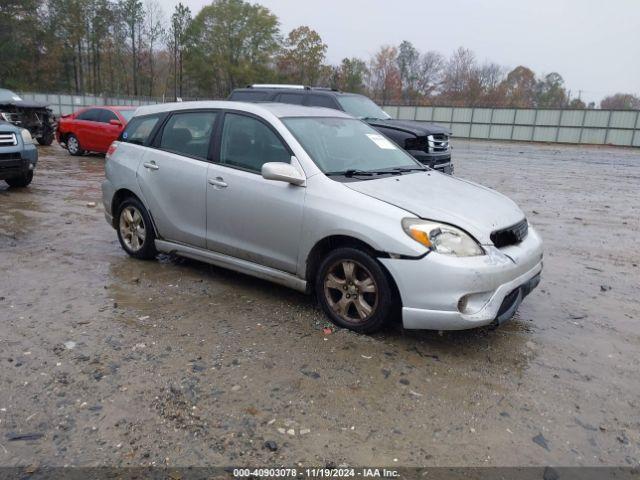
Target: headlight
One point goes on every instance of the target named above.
(441, 238)
(26, 136)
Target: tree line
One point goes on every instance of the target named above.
(133, 47)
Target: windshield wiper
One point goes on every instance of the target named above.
(407, 169)
(351, 172)
(370, 118)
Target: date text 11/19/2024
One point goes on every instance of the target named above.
(316, 472)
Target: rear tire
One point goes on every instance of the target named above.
(354, 290)
(73, 145)
(135, 230)
(22, 181)
(46, 140)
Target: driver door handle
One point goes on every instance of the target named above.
(218, 182)
(151, 165)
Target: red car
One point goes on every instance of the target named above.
(92, 129)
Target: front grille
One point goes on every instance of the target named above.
(10, 156)
(430, 144)
(8, 139)
(8, 165)
(511, 235)
(438, 143)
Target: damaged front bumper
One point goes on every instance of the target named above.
(442, 292)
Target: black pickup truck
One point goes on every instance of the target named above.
(428, 143)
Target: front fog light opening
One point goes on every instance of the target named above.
(473, 302)
(462, 304)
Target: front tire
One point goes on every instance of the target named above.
(22, 181)
(135, 230)
(354, 290)
(73, 145)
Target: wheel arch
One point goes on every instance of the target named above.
(325, 245)
(120, 196)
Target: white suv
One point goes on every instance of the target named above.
(316, 200)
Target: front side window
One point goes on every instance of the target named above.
(188, 133)
(322, 101)
(106, 116)
(139, 129)
(248, 143)
(91, 115)
(361, 107)
(341, 144)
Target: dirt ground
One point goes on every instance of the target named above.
(105, 360)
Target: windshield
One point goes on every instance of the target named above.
(361, 107)
(8, 96)
(127, 114)
(339, 145)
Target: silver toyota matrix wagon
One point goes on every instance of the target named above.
(316, 200)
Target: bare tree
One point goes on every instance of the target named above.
(177, 38)
(154, 31)
(133, 13)
(430, 70)
(490, 76)
(458, 75)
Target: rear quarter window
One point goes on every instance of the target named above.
(139, 129)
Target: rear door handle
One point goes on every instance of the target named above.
(151, 165)
(218, 182)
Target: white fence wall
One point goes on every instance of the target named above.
(599, 127)
(62, 104)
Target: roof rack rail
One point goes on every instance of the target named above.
(325, 89)
(277, 85)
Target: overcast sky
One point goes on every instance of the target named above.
(593, 44)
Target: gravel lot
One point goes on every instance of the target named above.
(105, 360)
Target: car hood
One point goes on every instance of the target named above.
(23, 104)
(439, 197)
(419, 129)
(8, 127)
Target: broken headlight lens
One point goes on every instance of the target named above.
(442, 238)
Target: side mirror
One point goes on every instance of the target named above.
(282, 172)
(113, 121)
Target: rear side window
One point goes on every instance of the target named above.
(139, 129)
(322, 101)
(244, 96)
(106, 116)
(91, 115)
(293, 98)
(248, 143)
(188, 133)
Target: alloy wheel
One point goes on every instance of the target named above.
(72, 145)
(351, 291)
(132, 228)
